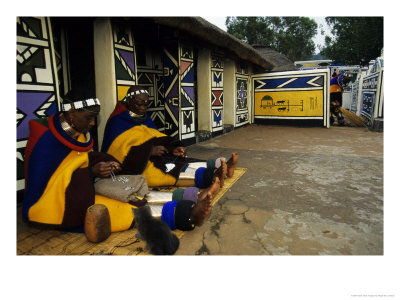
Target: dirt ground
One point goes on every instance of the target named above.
(307, 191)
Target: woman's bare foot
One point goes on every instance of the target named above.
(232, 163)
(220, 173)
(214, 187)
(202, 208)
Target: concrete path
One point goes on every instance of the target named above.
(307, 191)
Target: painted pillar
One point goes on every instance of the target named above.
(203, 89)
(229, 92)
(217, 92)
(250, 100)
(170, 60)
(124, 58)
(187, 99)
(104, 71)
(37, 89)
(180, 98)
(242, 94)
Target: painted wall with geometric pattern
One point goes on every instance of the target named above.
(242, 94)
(170, 79)
(372, 96)
(170, 59)
(124, 59)
(150, 76)
(217, 92)
(187, 94)
(179, 92)
(37, 94)
(154, 83)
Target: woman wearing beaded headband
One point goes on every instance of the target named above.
(133, 138)
(60, 167)
(60, 170)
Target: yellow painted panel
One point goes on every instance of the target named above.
(310, 65)
(122, 90)
(289, 103)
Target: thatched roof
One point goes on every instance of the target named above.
(280, 61)
(204, 30)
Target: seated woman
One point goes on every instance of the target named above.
(60, 169)
(132, 137)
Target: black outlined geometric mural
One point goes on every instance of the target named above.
(37, 94)
(124, 59)
(187, 94)
(217, 92)
(242, 94)
(170, 59)
(372, 96)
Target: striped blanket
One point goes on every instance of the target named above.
(131, 139)
(59, 183)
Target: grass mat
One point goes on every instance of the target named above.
(34, 241)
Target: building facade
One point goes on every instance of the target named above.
(198, 76)
(195, 85)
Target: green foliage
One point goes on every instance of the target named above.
(291, 36)
(355, 40)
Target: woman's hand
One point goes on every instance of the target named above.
(159, 151)
(179, 151)
(103, 169)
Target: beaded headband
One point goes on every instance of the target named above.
(80, 104)
(138, 92)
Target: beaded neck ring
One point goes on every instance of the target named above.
(68, 128)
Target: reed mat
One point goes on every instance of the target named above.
(34, 241)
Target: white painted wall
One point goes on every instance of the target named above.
(204, 89)
(104, 71)
(229, 92)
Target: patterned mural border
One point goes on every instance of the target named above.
(242, 97)
(217, 92)
(187, 109)
(37, 91)
(372, 96)
(124, 59)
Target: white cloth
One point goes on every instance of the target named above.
(156, 197)
(156, 210)
(191, 170)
